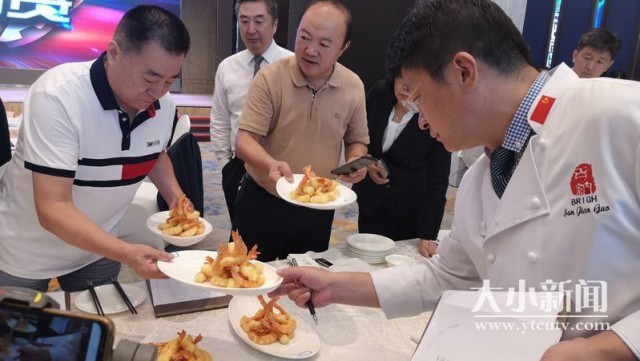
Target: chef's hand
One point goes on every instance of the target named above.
(604, 346)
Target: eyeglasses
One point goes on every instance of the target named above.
(410, 103)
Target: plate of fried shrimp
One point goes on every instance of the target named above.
(310, 191)
(258, 322)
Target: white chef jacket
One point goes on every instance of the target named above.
(571, 210)
(233, 78)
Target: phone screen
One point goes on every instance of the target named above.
(51, 334)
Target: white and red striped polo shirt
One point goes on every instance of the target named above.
(73, 127)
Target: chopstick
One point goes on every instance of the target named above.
(310, 305)
(124, 296)
(94, 298)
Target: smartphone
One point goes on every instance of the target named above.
(355, 165)
(384, 169)
(48, 332)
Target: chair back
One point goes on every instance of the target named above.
(182, 126)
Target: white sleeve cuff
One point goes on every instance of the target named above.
(627, 329)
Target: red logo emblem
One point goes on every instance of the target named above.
(582, 181)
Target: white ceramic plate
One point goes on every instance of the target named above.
(305, 342)
(110, 299)
(186, 264)
(155, 219)
(284, 188)
(368, 242)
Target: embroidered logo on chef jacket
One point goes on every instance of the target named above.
(583, 187)
(582, 181)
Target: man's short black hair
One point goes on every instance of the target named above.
(434, 30)
(602, 40)
(145, 24)
(272, 6)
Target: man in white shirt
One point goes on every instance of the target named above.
(258, 21)
(90, 134)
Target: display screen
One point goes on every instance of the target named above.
(40, 34)
(31, 334)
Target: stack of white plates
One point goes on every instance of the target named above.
(371, 248)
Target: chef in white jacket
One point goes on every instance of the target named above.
(566, 213)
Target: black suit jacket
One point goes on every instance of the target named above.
(419, 169)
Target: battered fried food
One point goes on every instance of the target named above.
(314, 189)
(183, 221)
(182, 348)
(267, 326)
(232, 267)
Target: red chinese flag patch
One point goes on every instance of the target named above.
(542, 109)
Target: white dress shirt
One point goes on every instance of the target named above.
(233, 78)
(394, 129)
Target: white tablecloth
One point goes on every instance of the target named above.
(346, 332)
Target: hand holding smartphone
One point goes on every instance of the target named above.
(385, 170)
(354, 165)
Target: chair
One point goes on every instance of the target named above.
(182, 126)
(133, 227)
(187, 166)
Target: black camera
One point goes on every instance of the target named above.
(32, 327)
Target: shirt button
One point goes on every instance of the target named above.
(535, 203)
(491, 258)
(483, 227)
(542, 143)
(533, 257)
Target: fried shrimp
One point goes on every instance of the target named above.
(182, 348)
(267, 326)
(314, 189)
(183, 221)
(232, 267)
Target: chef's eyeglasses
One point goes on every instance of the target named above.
(410, 102)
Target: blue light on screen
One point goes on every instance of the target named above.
(598, 13)
(552, 34)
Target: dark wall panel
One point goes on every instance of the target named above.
(576, 19)
(623, 17)
(373, 25)
(536, 29)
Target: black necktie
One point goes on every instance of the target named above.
(257, 60)
(500, 167)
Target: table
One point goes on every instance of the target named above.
(345, 331)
